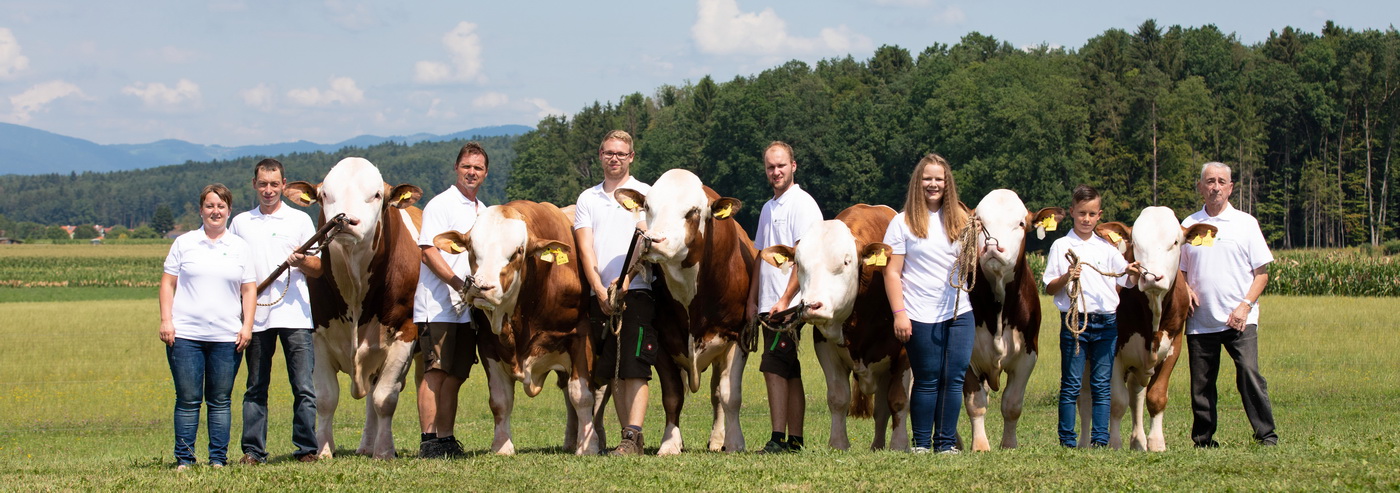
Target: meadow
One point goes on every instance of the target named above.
(86, 404)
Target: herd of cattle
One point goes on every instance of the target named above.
(535, 304)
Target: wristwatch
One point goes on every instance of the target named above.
(1252, 304)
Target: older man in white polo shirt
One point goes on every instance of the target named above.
(274, 231)
(1227, 273)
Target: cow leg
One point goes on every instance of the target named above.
(727, 397)
(601, 395)
(975, 400)
(1117, 403)
(883, 408)
(371, 423)
(581, 399)
(571, 421)
(898, 397)
(327, 396)
(502, 401)
(1014, 396)
(1085, 406)
(385, 397)
(672, 400)
(1157, 397)
(838, 395)
(1138, 394)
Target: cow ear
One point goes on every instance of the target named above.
(1200, 234)
(453, 242)
(302, 193)
(550, 251)
(570, 212)
(725, 207)
(780, 256)
(1119, 234)
(876, 254)
(630, 199)
(404, 195)
(1047, 219)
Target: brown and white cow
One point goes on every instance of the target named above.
(532, 296)
(363, 304)
(839, 269)
(1151, 319)
(706, 258)
(1006, 306)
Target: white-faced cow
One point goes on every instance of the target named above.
(363, 304)
(1007, 309)
(706, 258)
(839, 271)
(1151, 319)
(533, 298)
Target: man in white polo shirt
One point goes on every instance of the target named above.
(445, 333)
(603, 230)
(785, 217)
(274, 231)
(1227, 273)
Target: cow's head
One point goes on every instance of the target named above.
(501, 245)
(354, 187)
(1006, 220)
(829, 267)
(1154, 242)
(679, 221)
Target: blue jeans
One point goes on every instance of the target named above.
(203, 372)
(296, 347)
(1096, 344)
(939, 354)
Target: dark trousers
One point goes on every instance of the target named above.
(1204, 352)
(301, 361)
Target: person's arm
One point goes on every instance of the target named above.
(583, 240)
(310, 266)
(791, 290)
(438, 266)
(1240, 315)
(250, 305)
(1053, 287)
(167, 300)
(751, 309)
(894, 287)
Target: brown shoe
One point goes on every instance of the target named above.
(309, 458)
(631, 444)
(248, 460)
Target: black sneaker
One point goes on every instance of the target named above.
(451, 447)
(774, 447)
(429, 449)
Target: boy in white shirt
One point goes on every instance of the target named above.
(1098, 306)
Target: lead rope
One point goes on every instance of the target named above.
(313, 251)
(1076, 296)
(963, 276)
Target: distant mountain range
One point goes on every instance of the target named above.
(30, 151)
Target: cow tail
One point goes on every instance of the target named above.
(862, 404)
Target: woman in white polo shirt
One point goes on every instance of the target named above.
(933, 321)
(207, 298)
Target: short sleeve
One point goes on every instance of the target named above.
(433, 225)
(1055, 263)
(172, 259)
(806, 218)
(1259, 254)
(1118, 263)
(583, 214)
(760, 239)
(896, 234)
(246, 258)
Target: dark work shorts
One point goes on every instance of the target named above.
(449, 347)
(780, 355)
(640, 343)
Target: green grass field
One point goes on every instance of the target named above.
(86, 404)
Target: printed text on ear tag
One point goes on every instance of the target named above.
(878, 259)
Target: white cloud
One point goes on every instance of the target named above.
(159, 96)
(342, 90)
(543, 107)
(260, 97)
(950, 16)
(722, 29)
(25, 104)
(490, 100)
(11, 60)
(464, 46)
(352, 15)
(440, 111)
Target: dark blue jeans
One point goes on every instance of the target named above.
(296, 347)
(939, 354)
(203, 372)
(1096, 345)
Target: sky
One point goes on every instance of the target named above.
(242, 72)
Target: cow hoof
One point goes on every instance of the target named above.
(1156, 445)
(981, 446)
(507, 448)
(669, 449)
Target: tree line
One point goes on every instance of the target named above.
(1307, 121)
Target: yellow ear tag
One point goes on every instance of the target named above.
(457, 248)
(305, 197)
(555, 255)
(878, 259)
(1207, 239)
(725, 212)
(630, 204)
(1114, 237)
(779, 258)
(406, 195)
(547, 255)
(1049, 223)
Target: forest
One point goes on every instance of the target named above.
(1307, 120)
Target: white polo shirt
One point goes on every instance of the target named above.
(783, 222)
(612, 230)
(435, 301)
(1100, 291)
(208, 303)
(1221, 274)
(273, 237)
(927, 262)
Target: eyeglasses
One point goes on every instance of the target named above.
(615, 155)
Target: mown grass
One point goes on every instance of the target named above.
(87, 399)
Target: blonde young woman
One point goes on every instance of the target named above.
(935, 324)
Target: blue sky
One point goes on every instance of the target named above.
(237, 72)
